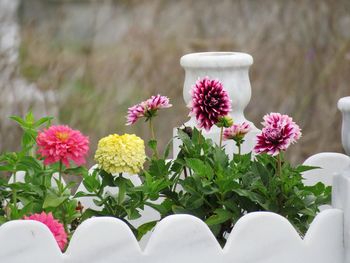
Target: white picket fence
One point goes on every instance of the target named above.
(257, 237)
(262, 237)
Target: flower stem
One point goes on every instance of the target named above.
(60, 176)
(153, 136)
(279, 173)
(221, 132)
(152, 129)
(14, 196)
(61, 189)
(279, 165)
(239, 149)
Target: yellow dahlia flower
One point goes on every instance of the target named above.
(121, 153)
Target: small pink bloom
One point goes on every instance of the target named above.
(147, 109)
(209, 102)
(237, 131)
(157, 102)
(54, 225)
(279, 132)
(134, 113)
(61, 143)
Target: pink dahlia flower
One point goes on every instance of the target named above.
(61, 143)
(237, 131)
(157, 102)
(134, 113)
(147, 109)
(54, 225)
(209, 102)
(279, 132)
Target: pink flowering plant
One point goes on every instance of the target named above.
(32, 178)
(203, 180)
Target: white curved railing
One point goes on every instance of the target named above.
(257, 237)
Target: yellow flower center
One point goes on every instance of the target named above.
(63, 136)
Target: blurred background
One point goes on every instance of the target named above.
(85, 62)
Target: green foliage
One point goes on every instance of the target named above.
(205, 182)
(40, 191)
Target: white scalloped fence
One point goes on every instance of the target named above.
(257, 237)
(260, 237)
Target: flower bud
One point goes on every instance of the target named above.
(225, 122)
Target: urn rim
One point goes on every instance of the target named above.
(216, 59)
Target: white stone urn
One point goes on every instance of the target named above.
(344, 107)
(231, 69)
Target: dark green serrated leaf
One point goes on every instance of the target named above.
(145, 228)
(220, 216)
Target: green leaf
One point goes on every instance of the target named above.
(91, 183)
(199, 167)
(167, 149)
(220, 216)
(143, 229)
(42, 121)
(107, 178)
(252, 196)
(29, 118)
(260, 170)
(220, 157)
(121, 191)
(29, 162)
(80, 170)
(180, 210)
(308, 211)
(53, 200)
(152, 144)
(304, 168)
(6, 168)
(184, 137)
(27, 141)
(159, 168)
(83, 194)
(133, 214)
(19, 120)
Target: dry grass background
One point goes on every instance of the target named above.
(100, 57)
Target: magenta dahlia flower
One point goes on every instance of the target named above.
(61, 143)
(279, 132)
(209, 102)
(147, 109)
(237, 131)
(54, 225)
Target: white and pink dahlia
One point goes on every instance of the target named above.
(147, 109)
(157, 102)
(237, 131)
(134, 113)
(209, 102)
(279, 132)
